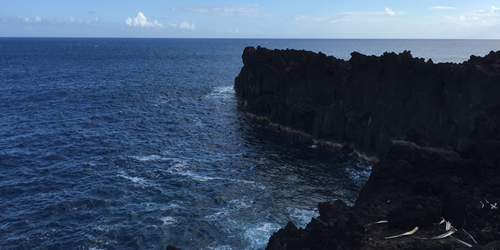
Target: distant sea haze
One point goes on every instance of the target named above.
(139, 143)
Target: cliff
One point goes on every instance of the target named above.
(368, 101)
(435, 127)
(415, 186)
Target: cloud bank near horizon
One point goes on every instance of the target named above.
(222, 20)
(227, 10)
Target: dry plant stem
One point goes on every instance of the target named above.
(403, 234)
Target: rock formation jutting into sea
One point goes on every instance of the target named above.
(367, 101)
(432, 131)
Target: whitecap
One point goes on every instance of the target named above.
(168, 220)
(137, 180)
(221, 92)
(149, 158)
(258, 234)
(302, 216)
(218, 215)
(221, 248)
(182, 168)
(360, 172)
(232, 206)
(162, 102)
(241, 203)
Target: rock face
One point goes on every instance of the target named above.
(436, 128)
(368, 101)
(411, 186)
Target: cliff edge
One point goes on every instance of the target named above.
(367, 101)
(433, 131)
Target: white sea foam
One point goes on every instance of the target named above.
(169, 221)
(155, 207)
(231, 207)
(181, 167)
(162, 102)
(258, 234)
(149, 158)
(218, 215)
(221, 248)
(221, 92)
(362, 171)
(134, 179)
(302, 216)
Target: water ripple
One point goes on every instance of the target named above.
(137, 144)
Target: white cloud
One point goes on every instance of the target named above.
(485, 17)
(389, 11)
(37, 20)
(228, 10)
(186, 25)
(244, 32)
(442, 8)
(73, 20)
(351, 17)
(141, 21)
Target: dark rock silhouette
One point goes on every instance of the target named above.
(367, 101)
(412, 186)
(169, 247)
(435, 127)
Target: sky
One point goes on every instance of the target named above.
(369, 19)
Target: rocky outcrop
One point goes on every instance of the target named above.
(367, 101)
(435, 127)
(415, 185)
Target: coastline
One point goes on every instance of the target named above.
(318, 142)
(438, 159)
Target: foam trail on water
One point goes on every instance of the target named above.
(221, 92)
(169, 220)
(258, 234)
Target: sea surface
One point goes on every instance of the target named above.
(139, 143)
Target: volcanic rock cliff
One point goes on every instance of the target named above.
(367, 101)
(435, 127)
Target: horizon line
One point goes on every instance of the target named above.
(239, 38)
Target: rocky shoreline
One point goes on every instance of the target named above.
(367, 101)
(414, 185)
(432, 131)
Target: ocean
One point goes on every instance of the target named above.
(139, 143)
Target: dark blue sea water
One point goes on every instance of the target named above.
(139, 143)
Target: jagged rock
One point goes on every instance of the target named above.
(169, 247)
(447, 166)
(411, 186)
(368, 101)
(416, 211)
(419, 135)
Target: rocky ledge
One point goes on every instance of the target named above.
(433, 131)
(415, 185)
(367, 101)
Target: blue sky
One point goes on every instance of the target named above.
(459, 19)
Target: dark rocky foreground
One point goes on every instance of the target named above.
(415, 185)
(433, 131)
